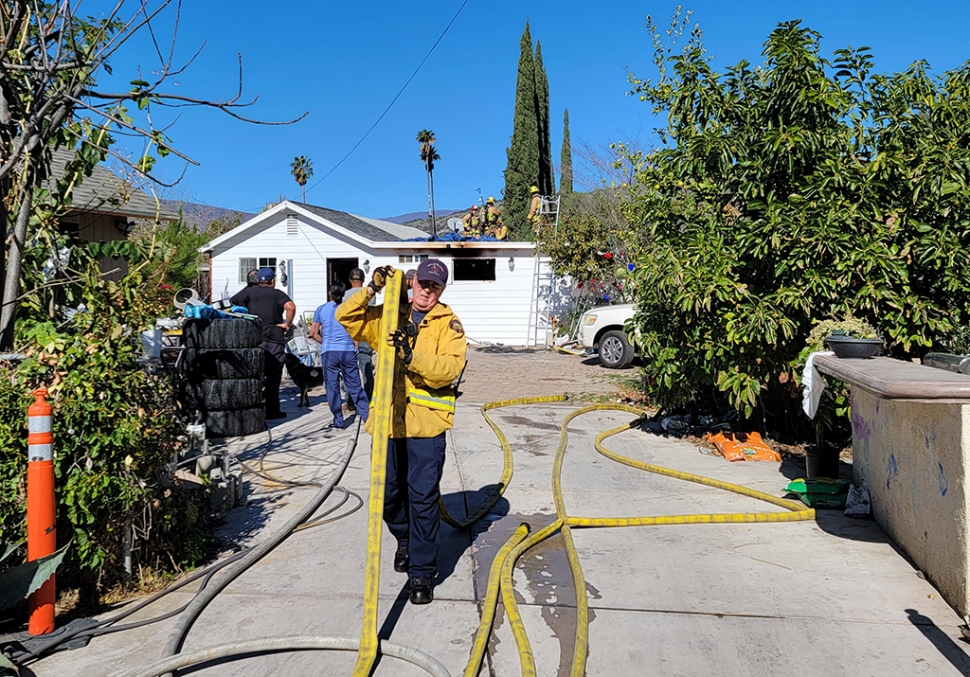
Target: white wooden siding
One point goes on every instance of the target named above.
(493, 312)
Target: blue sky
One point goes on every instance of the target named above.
(343, 62)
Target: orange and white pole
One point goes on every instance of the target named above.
(41, 510)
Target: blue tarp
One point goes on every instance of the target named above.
(454, 237)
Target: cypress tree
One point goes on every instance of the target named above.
(546, 179)
(522, 169)
(566, 159)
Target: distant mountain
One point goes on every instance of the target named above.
(200, 216)
(418, 216)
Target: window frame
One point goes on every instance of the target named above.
(459, 275)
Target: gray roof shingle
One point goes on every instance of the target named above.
(351, 223)
(104, 192)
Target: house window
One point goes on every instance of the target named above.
(245, 265)
(411, 258)
(477, 270)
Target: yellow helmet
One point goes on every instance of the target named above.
(490, 200)
(533, 190)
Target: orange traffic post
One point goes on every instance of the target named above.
(41, 511)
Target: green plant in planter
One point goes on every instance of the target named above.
(851, 326)
(834, 409)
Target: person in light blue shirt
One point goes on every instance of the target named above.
(339, 357)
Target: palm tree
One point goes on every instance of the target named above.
(302, 170)
(428, 156)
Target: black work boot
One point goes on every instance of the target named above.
(421, 590)
(401, 560)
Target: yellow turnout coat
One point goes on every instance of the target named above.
(423, 399)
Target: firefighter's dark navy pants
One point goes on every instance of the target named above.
(411, 493)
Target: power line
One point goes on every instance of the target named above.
(393, 101)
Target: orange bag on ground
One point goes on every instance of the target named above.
(742, 446)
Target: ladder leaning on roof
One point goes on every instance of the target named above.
(539, 321)
(549, 212)
(542, 277)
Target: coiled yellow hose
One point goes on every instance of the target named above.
(516, 546)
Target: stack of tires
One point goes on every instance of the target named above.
(222, 375)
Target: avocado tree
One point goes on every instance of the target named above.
(802, 189)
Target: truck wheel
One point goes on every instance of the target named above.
(229, 333)
(615, 350)
(235, 422)
(237, 393)
(199, 364)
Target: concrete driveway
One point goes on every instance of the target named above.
(825, 598)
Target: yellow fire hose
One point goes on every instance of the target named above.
(506, 478)
(500, 574)
(381, 432)
(508, 555)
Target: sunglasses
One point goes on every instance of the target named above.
(430, 286)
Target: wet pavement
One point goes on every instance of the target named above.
(817, 599)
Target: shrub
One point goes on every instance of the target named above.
(798, 191)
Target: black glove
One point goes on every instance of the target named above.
(379, 278)
(403, 339)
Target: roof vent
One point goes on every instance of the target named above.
(292, 225)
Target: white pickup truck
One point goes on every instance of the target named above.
(601, 329)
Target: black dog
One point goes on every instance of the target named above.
(303, 377)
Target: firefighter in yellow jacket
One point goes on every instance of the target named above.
(431, 344)
(535, 208)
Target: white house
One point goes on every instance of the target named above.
(502, 291)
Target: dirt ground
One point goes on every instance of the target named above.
(497, 373)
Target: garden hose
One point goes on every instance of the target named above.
(563, 523)
(177, 636)
(280, 644)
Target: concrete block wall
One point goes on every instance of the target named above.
(913, 455)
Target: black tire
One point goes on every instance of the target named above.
(235, 422)
(615, 350)
(204, 364)
(240, 393)
(231, 333)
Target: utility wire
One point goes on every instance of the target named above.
(393, 101)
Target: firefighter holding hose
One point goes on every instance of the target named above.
(430, 344)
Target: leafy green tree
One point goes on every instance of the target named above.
(801, 190)
(522, 169)
(429, 156)
(302, 170)
(51, 59)
(566, 159)
(546, 176)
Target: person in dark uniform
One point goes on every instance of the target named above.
(269, 304)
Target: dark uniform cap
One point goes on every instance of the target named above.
(265, 274)
(433, 270)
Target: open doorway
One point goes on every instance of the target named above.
(338, 270)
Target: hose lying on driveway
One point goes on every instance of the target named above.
(518, 544)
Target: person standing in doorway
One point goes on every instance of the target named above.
(430, 346)
(339, 358)
(270, 305)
